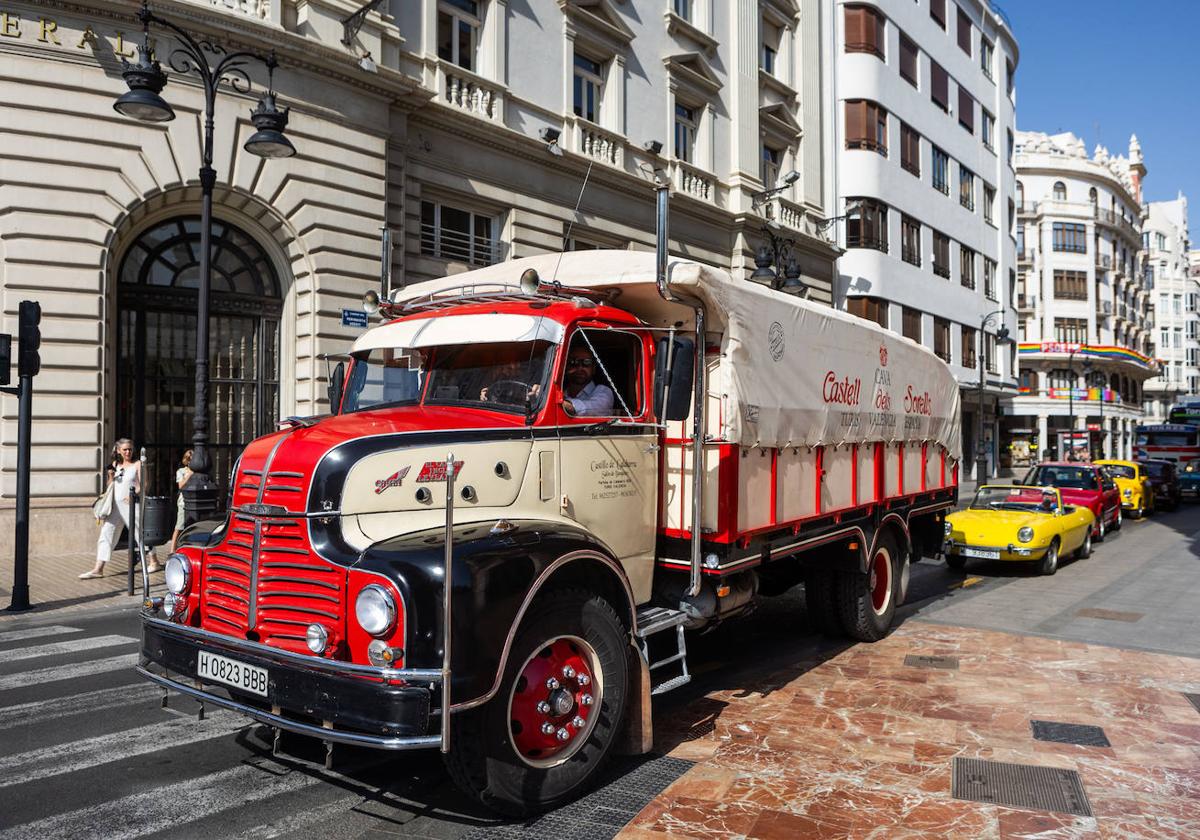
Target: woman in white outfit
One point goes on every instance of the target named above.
(124, 474)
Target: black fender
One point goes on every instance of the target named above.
(495, 579)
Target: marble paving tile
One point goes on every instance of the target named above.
(862, 746)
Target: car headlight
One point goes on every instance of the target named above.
(375, 610)
(178, 574)
(948, 527)
(1025, 534)
(1128, 494)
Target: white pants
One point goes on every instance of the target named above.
(110, 531)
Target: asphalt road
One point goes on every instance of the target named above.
(87, 751)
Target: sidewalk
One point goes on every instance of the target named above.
(874, 742)
(54, 584)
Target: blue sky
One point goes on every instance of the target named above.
(1106, 69)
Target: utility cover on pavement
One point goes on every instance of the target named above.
(946, 663)
(1020, 786)
(1069, 733)
(603, 812)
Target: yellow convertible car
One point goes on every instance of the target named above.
(1137, 491)
(1018, 523)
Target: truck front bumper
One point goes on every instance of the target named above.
(384, 708)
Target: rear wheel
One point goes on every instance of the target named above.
(867, 602)
(1117, 522)
(1085, 550)
(1049, 562)
(542, 739)
(1100, 530)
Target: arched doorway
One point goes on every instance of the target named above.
(156, 344)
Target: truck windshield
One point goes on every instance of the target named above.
(510, 376)
(1167, 439)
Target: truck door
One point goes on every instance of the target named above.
(609, 445)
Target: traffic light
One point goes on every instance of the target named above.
(5, 359)
(29, 338)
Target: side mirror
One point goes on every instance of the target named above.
(674, 369)
(337, 382)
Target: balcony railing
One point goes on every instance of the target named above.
(598, 144)
(1026, 303)
(693, 181)
(1108, 217)
(785, 212)
(465, 91)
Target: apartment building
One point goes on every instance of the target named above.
(1174, 296)
(1083, 299)
(925, 97)
(474, 130)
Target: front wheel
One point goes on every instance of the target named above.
(545, 735)
(1085, 550)
(867, 602)
(1119, 520)
(1049, 562)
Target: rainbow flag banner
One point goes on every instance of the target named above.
(1083, 351)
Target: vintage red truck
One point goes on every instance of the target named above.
(577, 545)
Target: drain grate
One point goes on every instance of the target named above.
(633, 783)
(1194, 699)
(946, 663)
(1020, 786)
(1109, 615)
(1069, 733)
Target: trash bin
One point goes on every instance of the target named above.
(159, 520)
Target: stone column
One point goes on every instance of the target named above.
(1043, 434)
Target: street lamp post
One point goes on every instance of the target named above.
(1069, 455)
(981, 461)
(213, 66)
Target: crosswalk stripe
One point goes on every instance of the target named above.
(303, 819)
(60, 648)
(117, 746)
(167, 806)
(59, 673)
(36, 632)
(40, 711)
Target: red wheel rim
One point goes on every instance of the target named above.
(881, 581)
(555, 700)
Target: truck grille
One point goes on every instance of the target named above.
(293, 587)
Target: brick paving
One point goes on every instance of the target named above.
(54, 584)
(861, 745)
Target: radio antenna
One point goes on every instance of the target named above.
(571, 224)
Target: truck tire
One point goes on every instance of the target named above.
(867, 602)
(819, 600)
(568, 673)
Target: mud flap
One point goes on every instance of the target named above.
(638, 735)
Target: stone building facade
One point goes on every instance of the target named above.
(1083, 298)
(925, 101)
(475, 131)
(1175, 297)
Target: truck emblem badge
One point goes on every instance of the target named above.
(883, 355)
(393, 480)
(436, 471)
(775, 340)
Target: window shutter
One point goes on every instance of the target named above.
(966, 110)
(964, 32)
(877, 32)
(908, 59)
(937, 11)
(939, 84)
(854, 25)
(856, 121)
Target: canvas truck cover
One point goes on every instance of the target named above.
(791, 372)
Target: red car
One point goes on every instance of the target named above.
(1082, 484)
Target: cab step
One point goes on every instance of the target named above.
(652, 621)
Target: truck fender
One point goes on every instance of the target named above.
(894, 522)
(496, 577)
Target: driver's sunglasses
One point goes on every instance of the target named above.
(581, 362)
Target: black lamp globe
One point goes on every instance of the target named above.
(791, 277)
(146, 80)
(269, 140)
(763, 273)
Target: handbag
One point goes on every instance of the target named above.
(103, 505)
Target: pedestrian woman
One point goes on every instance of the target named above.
(182, 476)
(124, 474)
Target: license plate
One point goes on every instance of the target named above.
(210, 666)
(981, 553)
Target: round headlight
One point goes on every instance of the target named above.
(1128, 494)
(172, 604)
(948, 528)
(178, 574)
(1025, 534)
(317, 638)
(375, 610)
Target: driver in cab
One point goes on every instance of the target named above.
(584, 396)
